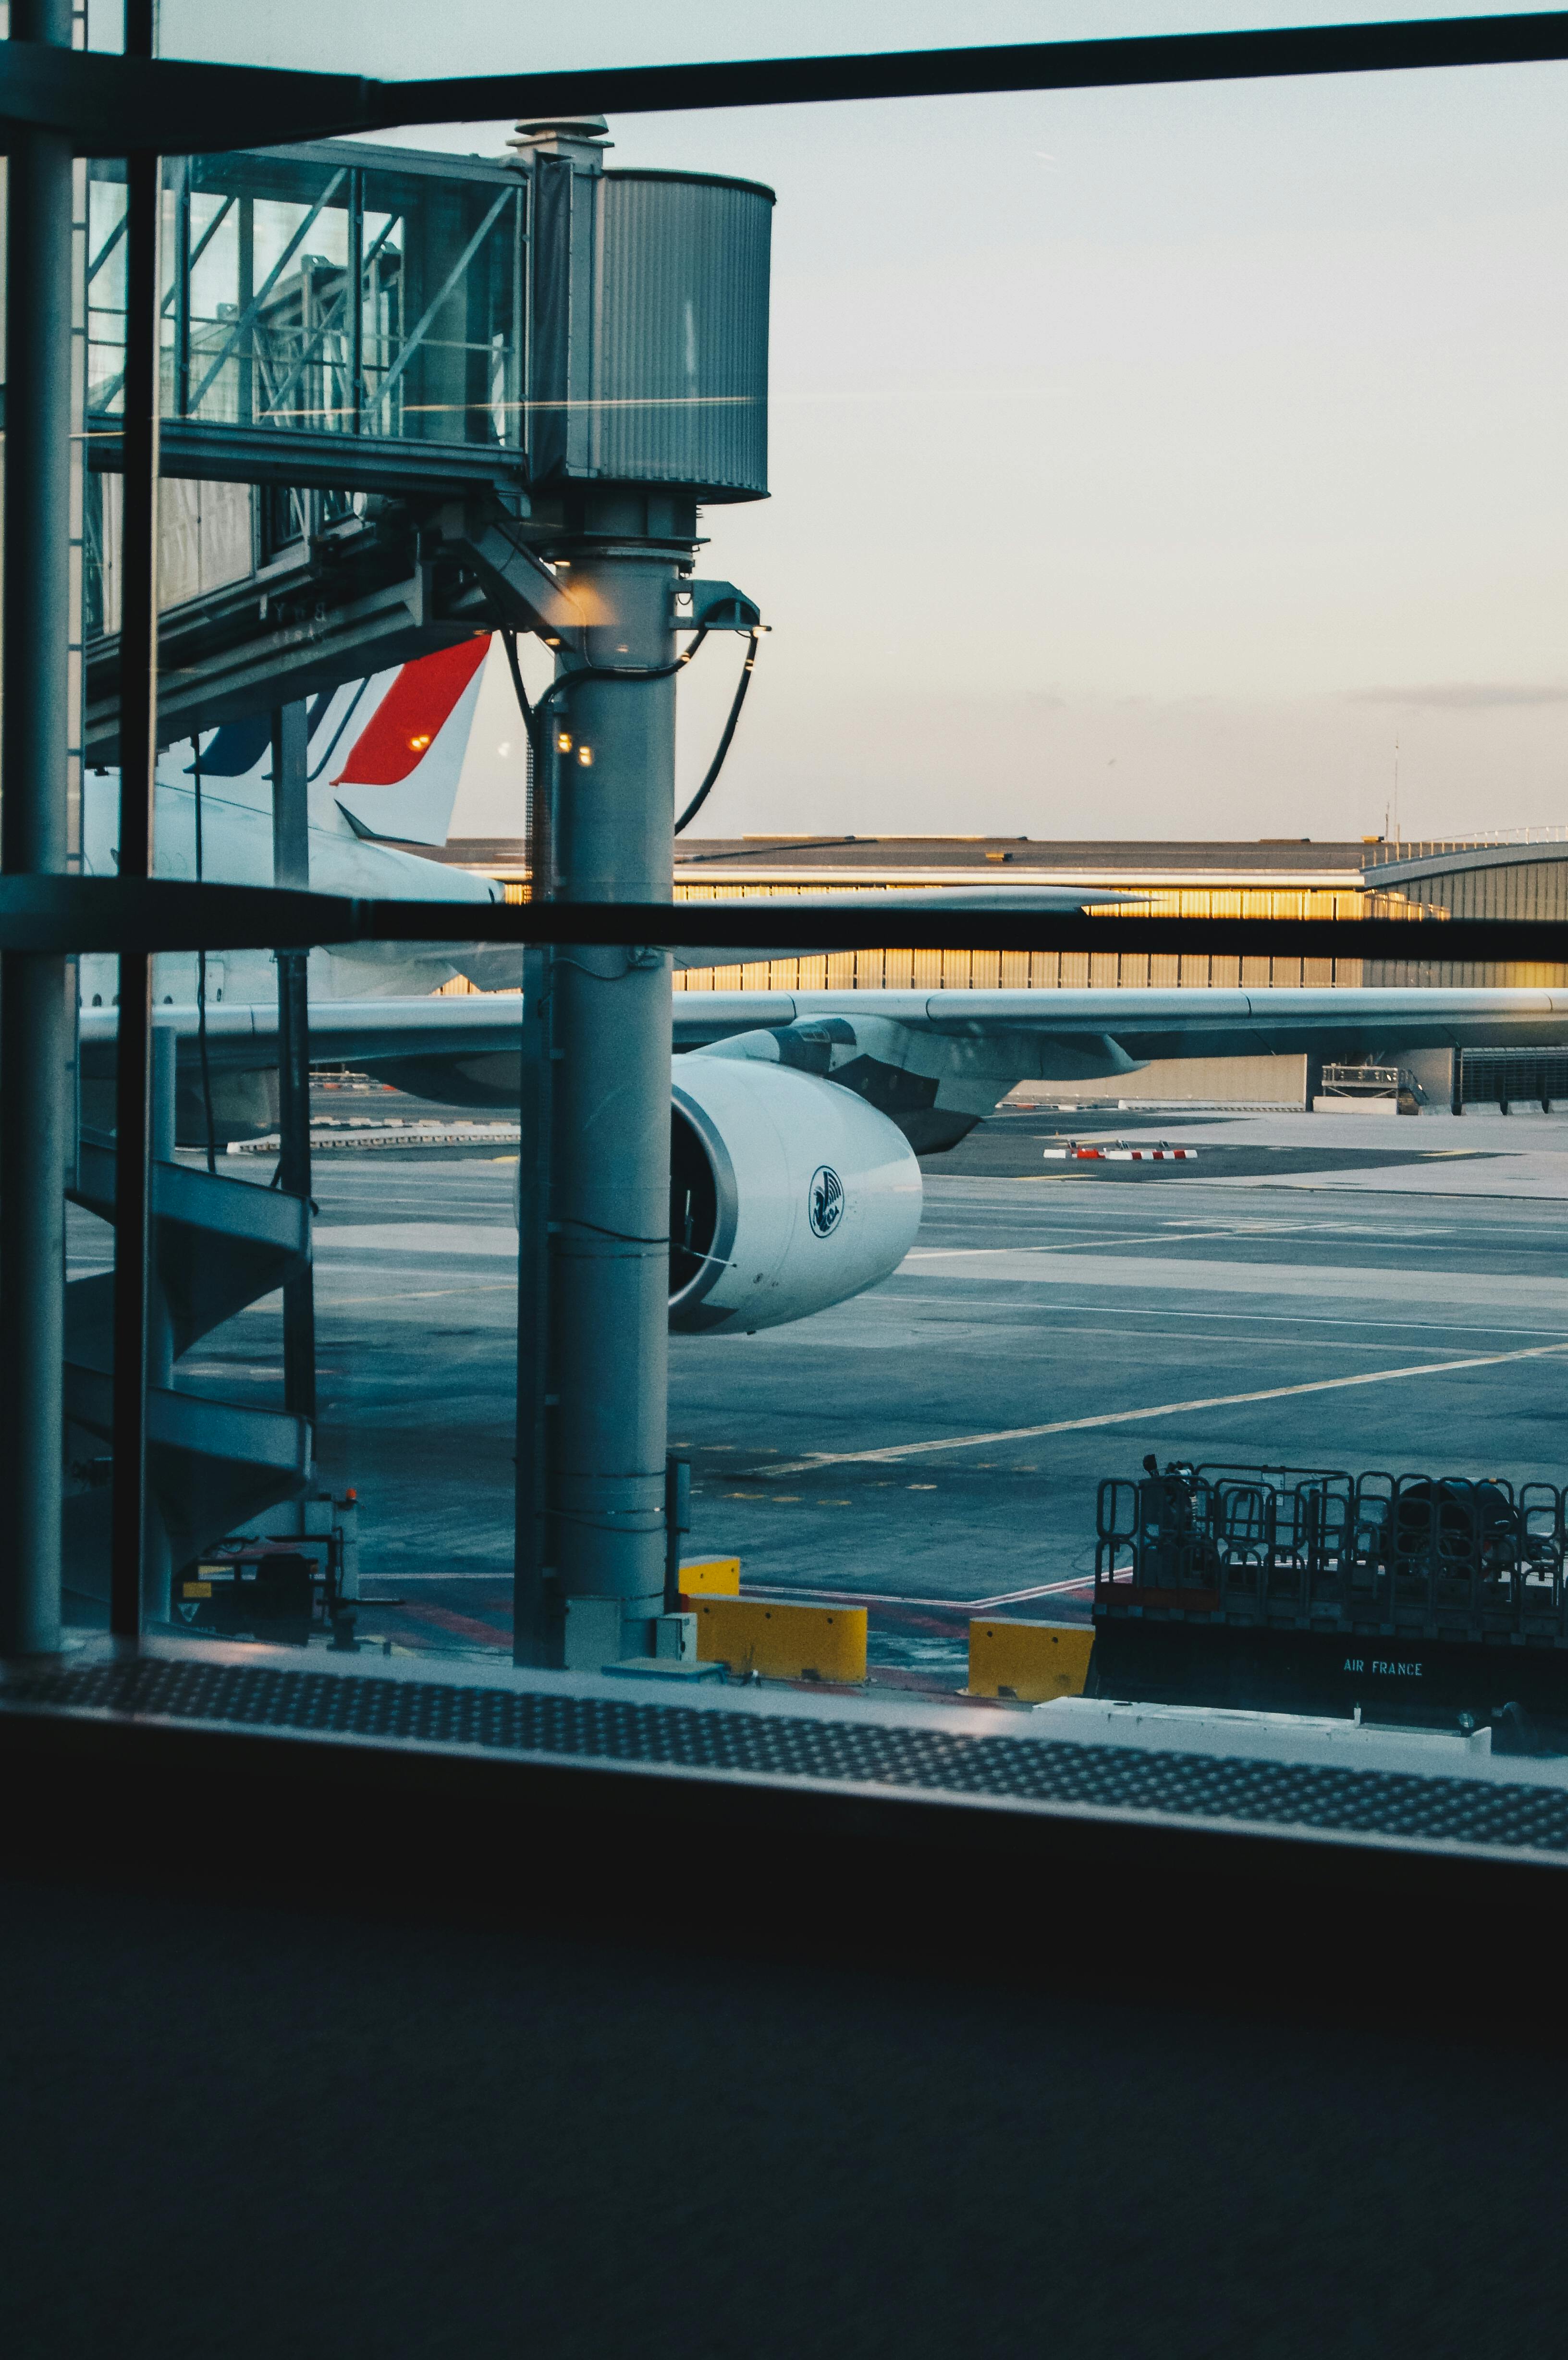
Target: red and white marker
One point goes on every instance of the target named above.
(1073, 1153)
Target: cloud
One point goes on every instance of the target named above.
(1466, 696)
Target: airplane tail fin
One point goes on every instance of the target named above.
(399, 774)
(391, 747)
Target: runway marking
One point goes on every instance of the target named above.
(415, 1295)
(1234, 1318)
(438, 1238)
(966, 1327)
(1032, 1266)
(1159, 1409)
(890, 1597)
(1150, 1237)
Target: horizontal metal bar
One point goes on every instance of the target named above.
(111, 104)
(109, 913)
(416, 334)
(1024, 65)
(215, 451)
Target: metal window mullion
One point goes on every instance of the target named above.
(448, 285)
(292, 867)
(517, 371)
(178, 296)
(211, 232)
(356, 291)
(251, 310)
(34, 842)
(138, 750)
(307, 350)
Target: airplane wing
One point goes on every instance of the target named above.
(937, 1062)
(1345, 1022)
(1044, 1034)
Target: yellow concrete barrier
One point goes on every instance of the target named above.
(1032, 1661)
(710, 1577)
(782, 1643)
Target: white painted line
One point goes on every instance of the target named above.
(860, 1596)
(1149, 1273)
(1041, 1590)
(1159, 1409)
(435, 1237)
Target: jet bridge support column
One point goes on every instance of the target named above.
(613, 744)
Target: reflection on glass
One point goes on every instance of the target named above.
(297, 296)
(920, 1445)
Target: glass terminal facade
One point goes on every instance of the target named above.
(607, 1420)
(485, 414)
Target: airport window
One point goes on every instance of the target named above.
(698, 1093)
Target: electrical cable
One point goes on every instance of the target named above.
(531, 731)
(717, 764)
(568, 680)
(621, 1237)
(624, 1237)
(534, 715)
(201, 975)
(509, 641)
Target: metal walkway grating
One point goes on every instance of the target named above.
(751, 1744)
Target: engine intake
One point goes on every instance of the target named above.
(786, 1195)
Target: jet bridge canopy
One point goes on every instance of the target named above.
(382, 319)
(331, 314)
(392, 380)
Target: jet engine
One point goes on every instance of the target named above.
(786, 1194)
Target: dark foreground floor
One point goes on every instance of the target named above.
(230, 2130)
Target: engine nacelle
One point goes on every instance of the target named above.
(786, 1194)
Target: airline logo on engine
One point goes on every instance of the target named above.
(825, 1201)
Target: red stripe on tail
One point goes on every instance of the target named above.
(411, 716)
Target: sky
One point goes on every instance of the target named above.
(1170, 462)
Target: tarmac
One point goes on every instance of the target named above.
(934, 1447)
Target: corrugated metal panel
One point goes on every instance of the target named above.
(681, 345)
(1528, 890)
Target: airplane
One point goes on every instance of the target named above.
(798, 1118)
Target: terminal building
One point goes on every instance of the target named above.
(1519, 876)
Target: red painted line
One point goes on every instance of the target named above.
(461, 1626)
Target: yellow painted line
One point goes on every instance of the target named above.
(1162, 1409)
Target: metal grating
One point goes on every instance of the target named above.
(1016, 1770)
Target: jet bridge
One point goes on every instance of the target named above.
(405, 399)
(388, 377)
